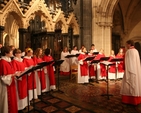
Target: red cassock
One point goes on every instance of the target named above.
(21, 84)
(6, 68)
(102, 66)
(112, 68)
(92, 72)
(121, 64)
(41, 73)
(84, 66)
(50, 69)
(31, 77)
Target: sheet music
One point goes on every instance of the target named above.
(106, 62)
(24, 72)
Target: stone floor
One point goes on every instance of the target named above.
(84, 98)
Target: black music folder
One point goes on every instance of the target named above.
(95, 61)
(116, 59)
(104, 58)
(72, 55)
(95, 53)
(29, 70)
(58, 62)
(89, 58)
(45, 63)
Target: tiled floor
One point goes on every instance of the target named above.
(79, 98)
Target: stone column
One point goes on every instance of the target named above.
(101, 27)
(22, 38)
(1, 34)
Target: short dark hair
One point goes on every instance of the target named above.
(131, 42)
(15, 51)
(74, 46)
(92, 45)
(5, 49)
(47, 51)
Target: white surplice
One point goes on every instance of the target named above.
(65, 66)
(131, 82)
(74, 60)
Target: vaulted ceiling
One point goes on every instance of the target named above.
(127, 14)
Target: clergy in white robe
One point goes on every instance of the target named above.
(131, 85)
(65, 66)
(74, 60)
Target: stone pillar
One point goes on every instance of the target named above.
(22, 38)
(83, 11)
(101, 28)
(1, 34)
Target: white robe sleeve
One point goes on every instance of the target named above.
(7, 79)
(45, 70)
(81, 62)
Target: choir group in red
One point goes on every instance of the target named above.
(13, 92)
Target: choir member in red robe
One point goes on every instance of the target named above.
(92, 70)
(39, 74)
(102, 67)
(8, 96)
(21, 83)
(83, 69)
(29, 63)
(120, 64)
(50, 69)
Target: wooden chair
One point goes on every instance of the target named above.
(74, 72)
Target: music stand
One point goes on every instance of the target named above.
(96, 62)
(107, 64)
(116, 60)
(89, 58)
(26, 72)
(57, 64)
(42, 64)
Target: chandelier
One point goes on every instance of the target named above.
(65, 5)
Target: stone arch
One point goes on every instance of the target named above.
(6, 40)
(74, 24)
(136, 39)
(107, 7)
(39, 8)
(16, 17)
(13, 9)
(106, 10)
(48, 24)
(61, 19)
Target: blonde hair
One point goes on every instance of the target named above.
(27, 50)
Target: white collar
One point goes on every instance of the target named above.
(8, 59)
(18, 59)
(27, 57)
(83, 53)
